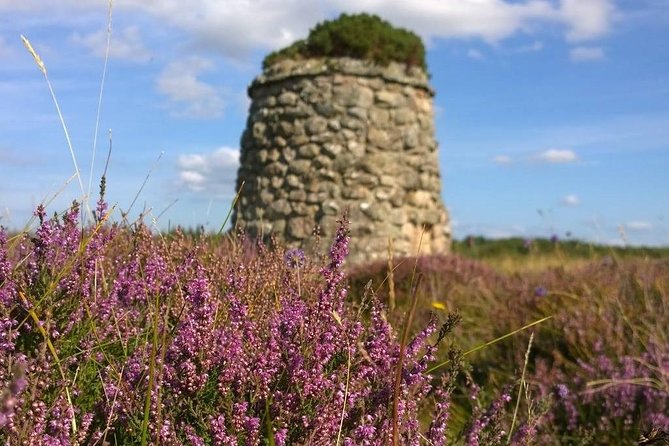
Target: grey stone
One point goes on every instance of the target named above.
(358, 112)
(293, 181)
(352, 123)
(355, 192)
(332, 150)
(411, 138)
(298, 140)
(299, 111)
(259, 130)
(309, 151)
(404, 115)
(315, 125)
(279, 207)
(287, 98)
(288, 154)
(356, 148)
(276, 169)
(331, 207)
(333, 124)
(379, 117)
(297, 195)
(280, 141)
(378, 138)
(276, 182)
(299, 167)
(420, 198)
(286, 129)
(387, 98)
(351, 94)
(299, 227)
(325, 109)
(321, 161)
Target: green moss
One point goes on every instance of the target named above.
(360, 36)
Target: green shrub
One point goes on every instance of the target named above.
(360, 36)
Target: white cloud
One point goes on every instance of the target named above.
(237, 28)
(587, 19)
(474, 54)
(125, 44)
(212, 173)
(535, 46)
(556, 156)
(502, 159)
(190, 96)
(571, 200)
(491, 20)
(639, 226)
(586, 54)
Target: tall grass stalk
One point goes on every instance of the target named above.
(521, 386)
(42, 68)
(102, 87)
(489, 343)
(232, 207)
(141, 188)
(391, 278)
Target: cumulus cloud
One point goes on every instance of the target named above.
(235, 29)
(211, 174)
(587, 19)
(502, 159)
(125, 44)
(556, 156)
(570, 200)
(639, 225)
(190, 96)
(586, 54)
(491, 20)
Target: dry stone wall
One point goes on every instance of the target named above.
(325, 135)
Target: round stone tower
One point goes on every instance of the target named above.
(325, 135)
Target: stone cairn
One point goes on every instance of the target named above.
(326, 135)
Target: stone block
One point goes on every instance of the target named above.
(279, 207)
(387, 99)
(300, 167)
(353, 95)
(299, 227)
(404, 115)
(315, 125)
(287, 98)
(379, 117)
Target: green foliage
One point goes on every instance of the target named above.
(360, 36)
(489, 249)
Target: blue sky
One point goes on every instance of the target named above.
(552, 115)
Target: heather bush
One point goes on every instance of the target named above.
(116, 335)
(597, 370)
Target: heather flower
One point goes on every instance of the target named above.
(295, 258)
(540, 291)
(561, 391)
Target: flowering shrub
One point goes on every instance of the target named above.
(113, 335)
(598, 368)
